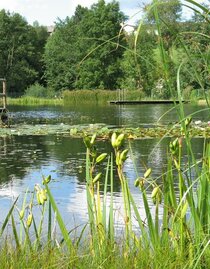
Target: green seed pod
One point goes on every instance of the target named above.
(187, 121)
(175, 143)
(147, 173)
(155, 192)
(174, 146)
(29, 220)
(96, 178)
(119, 140)
(46, 180)
(86, 140)
(123, 155)
(184, 210)
(101, 157)
(43, 194)
(137, 182)
(113, 140)
(141, 182)
(21, 214)
(93, 138)
(41, 198)
(38, 197)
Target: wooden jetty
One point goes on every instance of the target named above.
(124, 102)
(3, 109)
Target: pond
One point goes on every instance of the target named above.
(24, 159)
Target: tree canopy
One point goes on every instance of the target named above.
(21, 47)
(86, 49)
(91, 50)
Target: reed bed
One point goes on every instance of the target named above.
(100, 96)
(33, 101)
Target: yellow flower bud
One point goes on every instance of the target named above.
(113, 140)
(154, 192)
(101, 157)
(96, 178)
(147, 173)
(29, 220)
(21, 214)
(123, 155)
(119, 140)
(92, 141)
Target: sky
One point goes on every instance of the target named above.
(46, 12)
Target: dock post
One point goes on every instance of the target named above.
(4, 94)
(4, 119)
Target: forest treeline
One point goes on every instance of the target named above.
(92, 50)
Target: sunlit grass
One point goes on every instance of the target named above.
(33, 101)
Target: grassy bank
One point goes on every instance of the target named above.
(78, 97)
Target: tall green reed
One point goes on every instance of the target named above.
(178, 222)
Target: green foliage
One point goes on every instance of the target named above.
(99, 96)
(138, 66)
(35, 101)
(169, 11)
(20, 52)
(90, 50)
(83, 52)
(38, 91)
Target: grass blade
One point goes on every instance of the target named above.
(60, 220)
(7, 217)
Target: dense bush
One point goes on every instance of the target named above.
(39, 91)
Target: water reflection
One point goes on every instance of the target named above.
(25, 159)
(129, 115)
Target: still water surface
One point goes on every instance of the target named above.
(25, 159)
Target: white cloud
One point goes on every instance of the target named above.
(47, 11)
(8, 4)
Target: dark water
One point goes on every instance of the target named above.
(129, 115)
(25, 159)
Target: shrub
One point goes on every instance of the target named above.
(39, 91)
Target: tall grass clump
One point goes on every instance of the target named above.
(100, 96)
(175, 233)
(35, 101)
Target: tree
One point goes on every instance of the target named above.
(64, 51)
(19, 62)
(84, 51)
(138, 64)
(101, 30)
(40, 39)
(164, 16)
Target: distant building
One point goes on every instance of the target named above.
(50, 29)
